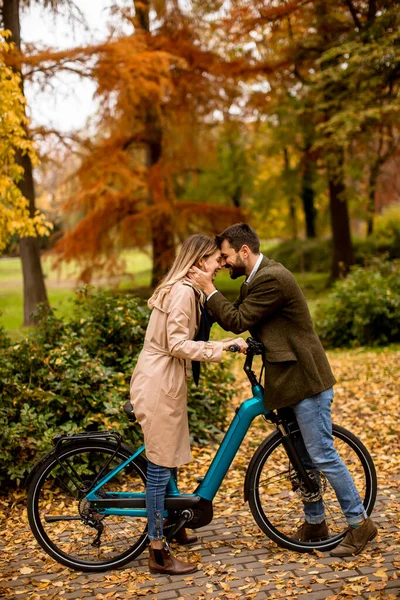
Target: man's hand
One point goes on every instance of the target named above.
(202, 279)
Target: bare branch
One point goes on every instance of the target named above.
(371, 11)
(354, 14)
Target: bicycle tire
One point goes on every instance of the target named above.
(71, 543)
(268, 507)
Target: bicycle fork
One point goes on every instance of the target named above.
(311, 486)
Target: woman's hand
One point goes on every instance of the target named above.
(203, 280)
(236, 342)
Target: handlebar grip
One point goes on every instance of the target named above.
(234, 348)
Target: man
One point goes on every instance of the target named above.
(297, 373)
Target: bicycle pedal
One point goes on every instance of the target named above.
(199, 479)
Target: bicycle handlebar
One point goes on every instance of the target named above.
(254, 347)
(234, 348)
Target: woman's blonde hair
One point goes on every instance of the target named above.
(193, 249)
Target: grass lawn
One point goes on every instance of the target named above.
(11, 305)
(61, 284)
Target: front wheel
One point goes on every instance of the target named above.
(275, 496)
(61, 518)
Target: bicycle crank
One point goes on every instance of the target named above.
(185, 516)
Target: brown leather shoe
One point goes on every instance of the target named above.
(163, 561)
(355, 540)
(309, 532)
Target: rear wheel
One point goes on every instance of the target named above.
(62, 520)
(275, 496)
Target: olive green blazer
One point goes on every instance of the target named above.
(273, 308)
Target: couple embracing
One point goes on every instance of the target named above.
(297, 375)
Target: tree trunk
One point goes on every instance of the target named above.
(343, 255)
(162, 232)
(33, 280)
(237, 196)
(163, 251)
(34, 286)
(291, 196)
(308, 195)
(373, 178)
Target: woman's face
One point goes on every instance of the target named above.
(211, 264)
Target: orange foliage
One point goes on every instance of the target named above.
(157, 89)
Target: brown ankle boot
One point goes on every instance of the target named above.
(355, 540)
(309, 532)
(162, 561)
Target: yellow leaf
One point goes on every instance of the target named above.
(225, 586)
(381, 573)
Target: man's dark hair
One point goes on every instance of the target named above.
(239, 234)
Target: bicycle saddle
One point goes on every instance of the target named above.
(130, 413)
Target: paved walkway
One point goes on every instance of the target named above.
(235, 558)
(235, 561)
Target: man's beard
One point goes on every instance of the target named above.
(238, 270)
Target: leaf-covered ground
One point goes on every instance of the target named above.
(235, 559)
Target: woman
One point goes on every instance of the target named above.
(158, 385)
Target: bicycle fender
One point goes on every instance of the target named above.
(255, 459)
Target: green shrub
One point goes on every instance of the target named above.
(303, 255)
(70, 376)
(364, 308)
(387, 231)
(316, 255)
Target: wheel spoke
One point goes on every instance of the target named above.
(64, 522)
(278, 507)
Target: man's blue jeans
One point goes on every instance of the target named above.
(315, 422)
(156, 486)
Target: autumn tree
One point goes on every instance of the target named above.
(225, 169)
(34, 287)
(303, 39)
(157, 86)
(363, 113)
(15, 217)
(281, 68)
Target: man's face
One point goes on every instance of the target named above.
(230, 259)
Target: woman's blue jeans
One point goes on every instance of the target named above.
(156, 486)
(318, 452)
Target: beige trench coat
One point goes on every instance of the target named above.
(158, 386)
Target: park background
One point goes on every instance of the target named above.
(125, 127)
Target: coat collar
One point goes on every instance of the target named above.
(255, 269)
(200, 295)
(264, 262)
(244, 290)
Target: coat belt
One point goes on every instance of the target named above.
(154, 348)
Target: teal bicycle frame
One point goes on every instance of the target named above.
(245, 414)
